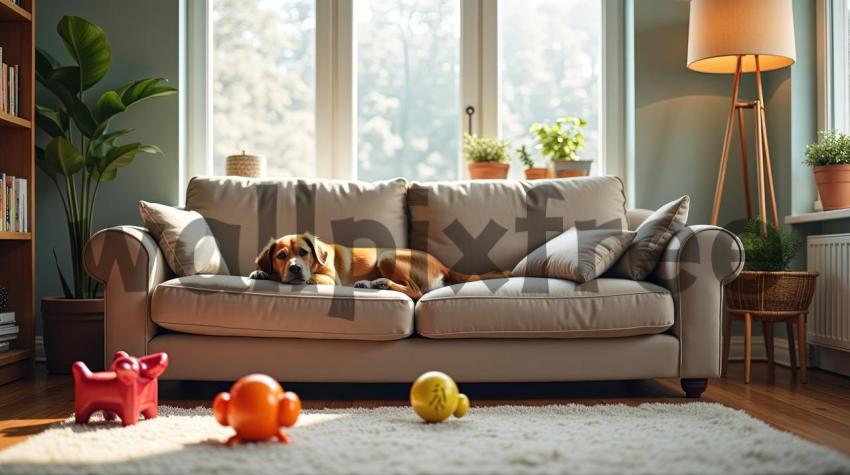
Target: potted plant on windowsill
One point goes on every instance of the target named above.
(830, 160)
(487, 157)
(765, 285)
(531, 172)
(79, 153)
(561, 142)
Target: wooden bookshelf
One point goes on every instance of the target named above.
(17, 158)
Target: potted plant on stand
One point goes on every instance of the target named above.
(531, 172)
(488, 157)
(830, 160)
(79, 153)
(766, 290)
(561, 142)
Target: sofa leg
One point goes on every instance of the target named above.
(694, 387)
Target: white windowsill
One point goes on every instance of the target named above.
(818, 216)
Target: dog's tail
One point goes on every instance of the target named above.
(455, 277)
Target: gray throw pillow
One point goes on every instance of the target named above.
(577, 255)
(652, 237)
(185, 239)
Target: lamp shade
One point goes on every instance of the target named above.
(722, 30)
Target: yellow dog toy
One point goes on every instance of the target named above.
(434, 396)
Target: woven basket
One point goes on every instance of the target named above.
(771, 291)
(253, 166)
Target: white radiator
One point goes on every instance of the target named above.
(829, 315)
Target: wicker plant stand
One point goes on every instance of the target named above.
(770, 297)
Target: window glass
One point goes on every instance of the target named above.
(408, 62)
(263, 68)
(550, 67)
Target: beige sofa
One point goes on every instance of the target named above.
(517, 329)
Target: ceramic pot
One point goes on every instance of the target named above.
(572, 168)
(488, 170)
(536, 173)
(73, 331)
(833, 186)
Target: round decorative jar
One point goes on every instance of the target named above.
(252, 166)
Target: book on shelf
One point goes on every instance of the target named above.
(13, 204)
(9, 329)
(9, 87)
(5, 346)
(7, 318)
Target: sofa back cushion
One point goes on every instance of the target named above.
(488, 225)
(245, 213)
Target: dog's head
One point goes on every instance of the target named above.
(294, 258)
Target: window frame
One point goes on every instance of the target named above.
(832, 68)
(336, 85)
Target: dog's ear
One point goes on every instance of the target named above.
(318, 248)
(265, 258)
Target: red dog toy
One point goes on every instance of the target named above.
(129, 389)
(258, 408)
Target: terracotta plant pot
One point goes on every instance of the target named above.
(536, 173)
(771, 291)
(488, 170)
(572, 168)
(73, 331)
(834, 186)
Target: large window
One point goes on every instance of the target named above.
(408, 60)
(550, 67)
(263, 83)
(374, 89)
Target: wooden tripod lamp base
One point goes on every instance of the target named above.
(764, 172)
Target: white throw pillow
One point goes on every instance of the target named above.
(185, 239)
(577, 255)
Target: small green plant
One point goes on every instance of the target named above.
(833, 148)
(525, 157)
(770, 251)
(485, 149)
(562, 139)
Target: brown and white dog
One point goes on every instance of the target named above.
(305, 259)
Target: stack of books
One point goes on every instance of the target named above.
(9, 87)
(13, 204)
(8, 330)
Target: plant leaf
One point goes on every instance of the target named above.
(44, 64)
(62, 156)
(65, 288)
(69, 76)
(88, 45)
(152, 149)
(77, 110)
(49, 121)
(108, 105)
(143, 89)
(42, 163)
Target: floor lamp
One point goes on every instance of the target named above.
(739, 37)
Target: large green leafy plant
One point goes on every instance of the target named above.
(562, 139)
(82, 152)
(767, 248)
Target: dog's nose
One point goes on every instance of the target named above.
(295, 270)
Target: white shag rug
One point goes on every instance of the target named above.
(650, 438)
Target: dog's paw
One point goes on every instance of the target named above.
(258, 275)
(362, 284)
(382, 283)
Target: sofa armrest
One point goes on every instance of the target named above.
(697, 263)
(128, 261)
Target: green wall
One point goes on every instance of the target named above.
(145, 39)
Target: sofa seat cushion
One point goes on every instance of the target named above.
(535, 307)
(237, 306)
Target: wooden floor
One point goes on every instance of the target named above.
(818, 411)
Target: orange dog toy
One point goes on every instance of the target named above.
(129, 389)
(258, 409)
